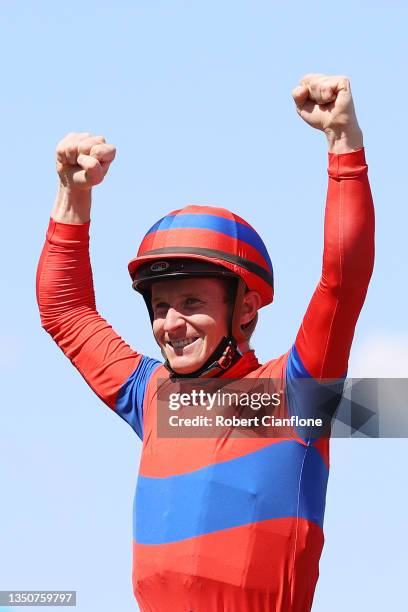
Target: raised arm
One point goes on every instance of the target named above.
(324, 339)
(65, 289)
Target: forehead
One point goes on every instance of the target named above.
(178, 287)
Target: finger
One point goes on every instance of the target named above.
(105, 167)
(103, 152)
(318, 91)
(321, 93)
(329, 88)
(309, 81)
(91, 172)
(337, 83)
(300, 94)
(86, 145)
(67, 147)
(323, 89)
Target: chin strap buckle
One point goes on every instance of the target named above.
(229, 356)
(226, 359)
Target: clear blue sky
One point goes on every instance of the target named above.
(196, 96)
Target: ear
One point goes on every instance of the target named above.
(251, 303)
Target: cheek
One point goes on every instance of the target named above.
(157, 328)
(216, 329)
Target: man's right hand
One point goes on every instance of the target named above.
(82, 162)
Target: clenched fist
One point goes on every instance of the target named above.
(83, 160)
(325, 102)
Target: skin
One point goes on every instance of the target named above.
(324, 102)
(187, 310)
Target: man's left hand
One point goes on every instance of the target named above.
(325, 102)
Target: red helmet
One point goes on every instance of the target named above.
(205, 241)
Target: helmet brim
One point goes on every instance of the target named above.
(150, 269)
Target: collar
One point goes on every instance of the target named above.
(247, 363)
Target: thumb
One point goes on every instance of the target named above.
(300, 94)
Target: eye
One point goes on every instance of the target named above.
(191, 302)
(160, 308)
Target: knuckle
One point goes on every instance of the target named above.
(82, 146)
(61, 144)
(87, 143)
(92, 164)
(343, 80)
(96, 148)
(77, 137)
(95, 175)
(71, 149)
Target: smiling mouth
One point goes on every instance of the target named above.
(180, 344)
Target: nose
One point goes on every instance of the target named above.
(173, 320)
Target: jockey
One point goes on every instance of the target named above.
(233, 523)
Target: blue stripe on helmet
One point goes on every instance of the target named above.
(229, 227)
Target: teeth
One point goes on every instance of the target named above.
(182, 343)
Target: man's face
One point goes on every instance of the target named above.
(189, 320)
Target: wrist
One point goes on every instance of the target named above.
(344, 140)
(72, 205)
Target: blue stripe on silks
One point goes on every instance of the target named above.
(308, 398)
(285, 479)
(295, 367)
(229, 227)
(129, 401)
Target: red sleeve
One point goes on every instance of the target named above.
(324, 339)
(66, 301)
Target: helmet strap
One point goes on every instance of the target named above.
(241, 333)
(224, 356)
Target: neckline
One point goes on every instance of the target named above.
(247, 363)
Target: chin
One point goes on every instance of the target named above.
(185, 368)
(186, 365)
(189, 363)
